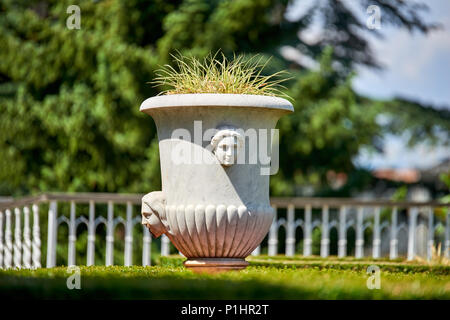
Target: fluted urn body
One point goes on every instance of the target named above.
(215, 152)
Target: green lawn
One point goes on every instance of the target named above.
(265, 278)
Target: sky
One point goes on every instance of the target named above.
(416, 66)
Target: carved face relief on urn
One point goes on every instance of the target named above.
(227, 143)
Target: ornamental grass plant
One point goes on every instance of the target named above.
(217, 74)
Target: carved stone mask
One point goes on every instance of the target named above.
(226, 145)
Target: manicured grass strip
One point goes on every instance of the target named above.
(329, 264)
(256, 282)
(361, 267)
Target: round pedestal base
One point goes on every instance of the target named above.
(213, 265)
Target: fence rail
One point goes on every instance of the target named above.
(292, 214)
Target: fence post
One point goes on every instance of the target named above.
(72, 235)
(325, 241)
(165, 249)
(110, 235)
(257, 251)
(17, 239)
(376, 234)
(393, 251)
(8, 240)
(430, 243)
(307, 242)
(342, 243)
(447, 235)
(128, 258)
(146, 247)
(412, 233)
(26, 238)
(51, 234)
(359, 245)
(36, 238)
(290, 231)
(91, 235)
(1, 239)
(273, 235)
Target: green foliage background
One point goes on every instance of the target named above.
(69, 99)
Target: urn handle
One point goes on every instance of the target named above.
(153, 213)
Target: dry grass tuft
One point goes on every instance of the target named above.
(436, 257)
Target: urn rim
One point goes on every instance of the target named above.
(216, 100)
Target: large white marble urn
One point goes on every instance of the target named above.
(214, 151)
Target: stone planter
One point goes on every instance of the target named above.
(214, 204)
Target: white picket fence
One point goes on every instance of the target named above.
(24, 251)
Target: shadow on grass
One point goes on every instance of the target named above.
(167, 287)
(264, 279)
